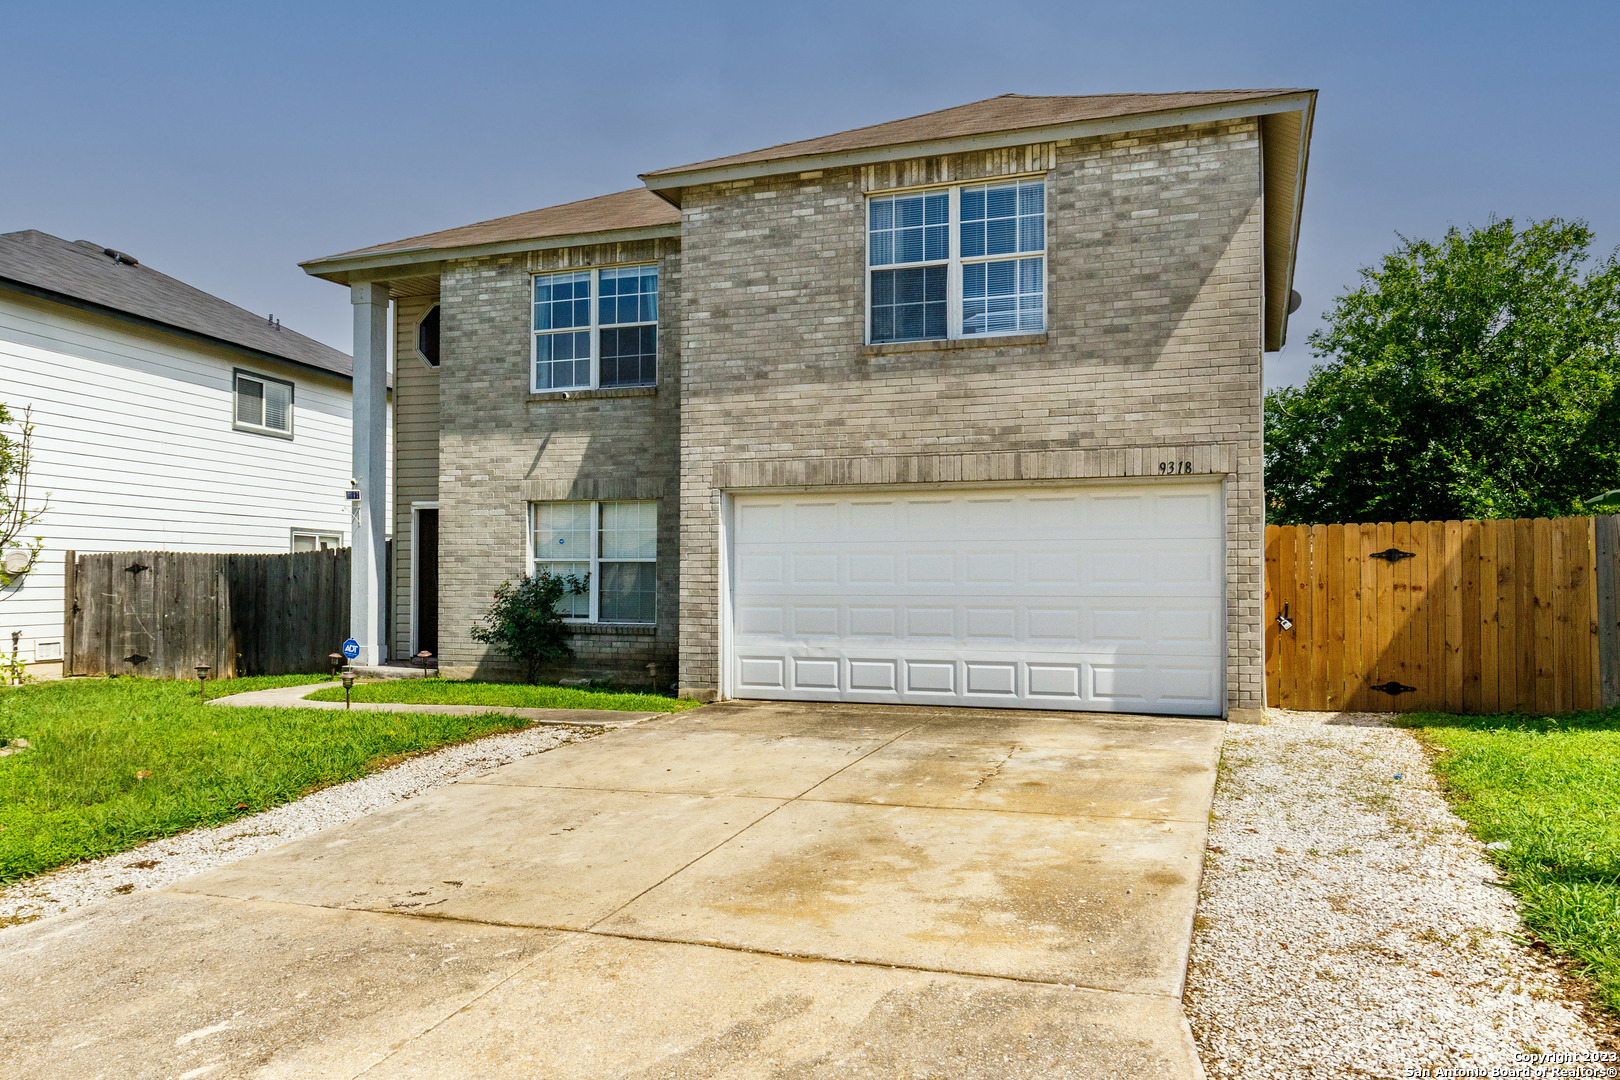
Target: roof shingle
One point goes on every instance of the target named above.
(637, 208)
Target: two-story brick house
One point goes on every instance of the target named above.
(959, 409)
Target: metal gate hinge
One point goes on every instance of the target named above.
(1395, 689)
(1393, 555)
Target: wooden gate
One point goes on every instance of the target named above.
(1455, 616)
(161, 613)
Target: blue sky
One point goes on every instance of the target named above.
(224, 143)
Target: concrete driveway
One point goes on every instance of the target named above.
(744, 890)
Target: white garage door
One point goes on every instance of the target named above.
(1086, 597)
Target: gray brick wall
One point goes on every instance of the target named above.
(501, 448)
(1153, 341)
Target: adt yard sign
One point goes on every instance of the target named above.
(351, 649)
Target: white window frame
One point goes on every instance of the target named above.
(954, 260)
(596, 560)
(237, 375)
(595, 330)
(319, 535)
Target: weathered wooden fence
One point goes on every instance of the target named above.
(161, 613)
(1458, 616)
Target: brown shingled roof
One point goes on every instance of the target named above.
(637, 208)
(1009, 112)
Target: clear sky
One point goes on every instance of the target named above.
(223, 143)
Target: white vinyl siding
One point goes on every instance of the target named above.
(416, 454)
(136, 446)
(1105, 597)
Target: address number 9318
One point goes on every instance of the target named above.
(1174, 468)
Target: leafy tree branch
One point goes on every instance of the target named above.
(1477, 376)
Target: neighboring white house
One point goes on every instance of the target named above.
(165, 419)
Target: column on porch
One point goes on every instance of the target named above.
(367, 604)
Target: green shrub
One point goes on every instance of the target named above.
(524, 622)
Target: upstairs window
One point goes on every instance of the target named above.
(960, 262)
(596, 328)
(263, 405)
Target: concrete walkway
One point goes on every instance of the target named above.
(743, 890)
(294, 697)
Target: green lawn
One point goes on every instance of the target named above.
(116, 762)
(511, 695)
(1550, 788)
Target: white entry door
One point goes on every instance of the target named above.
(1097, 597)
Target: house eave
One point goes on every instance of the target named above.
(349, 269)
(671, 184)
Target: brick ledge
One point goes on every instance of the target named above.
(614, 629)
(1004, 341)
(604, 392)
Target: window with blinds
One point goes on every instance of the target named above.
(264, 405)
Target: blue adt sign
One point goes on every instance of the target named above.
(351, 648)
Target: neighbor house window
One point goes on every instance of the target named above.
(614, 543)
(959, 262)
(311, 540)
(596, 328)
(264, 405)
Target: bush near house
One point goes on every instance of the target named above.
(1549, 789)
(524, 621)
(113, 763)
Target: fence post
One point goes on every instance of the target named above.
(1608, 607)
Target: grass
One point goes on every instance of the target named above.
(114, 763)
(1550, 788)
(509, 695)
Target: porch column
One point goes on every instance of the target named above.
(370, 515)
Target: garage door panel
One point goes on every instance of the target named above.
(1043, 598)
(816, 621)
(761, 568)
(868, 621)
(816, 673)
(1100, 626)
(872, 568)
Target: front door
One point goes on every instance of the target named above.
(427, 581)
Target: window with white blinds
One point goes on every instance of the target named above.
(264, 405)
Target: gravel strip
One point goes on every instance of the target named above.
(162, 862)
(1349, 925)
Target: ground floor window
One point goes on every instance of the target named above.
(312, 540)
(613, 544)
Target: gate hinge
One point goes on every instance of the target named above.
(135, 568)
(1393, 555)
(1395, 689)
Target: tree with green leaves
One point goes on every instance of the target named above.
(18, 512)
(1477, 376)
(524, 621)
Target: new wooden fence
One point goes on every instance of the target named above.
(1457, 616)
(161, 613)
